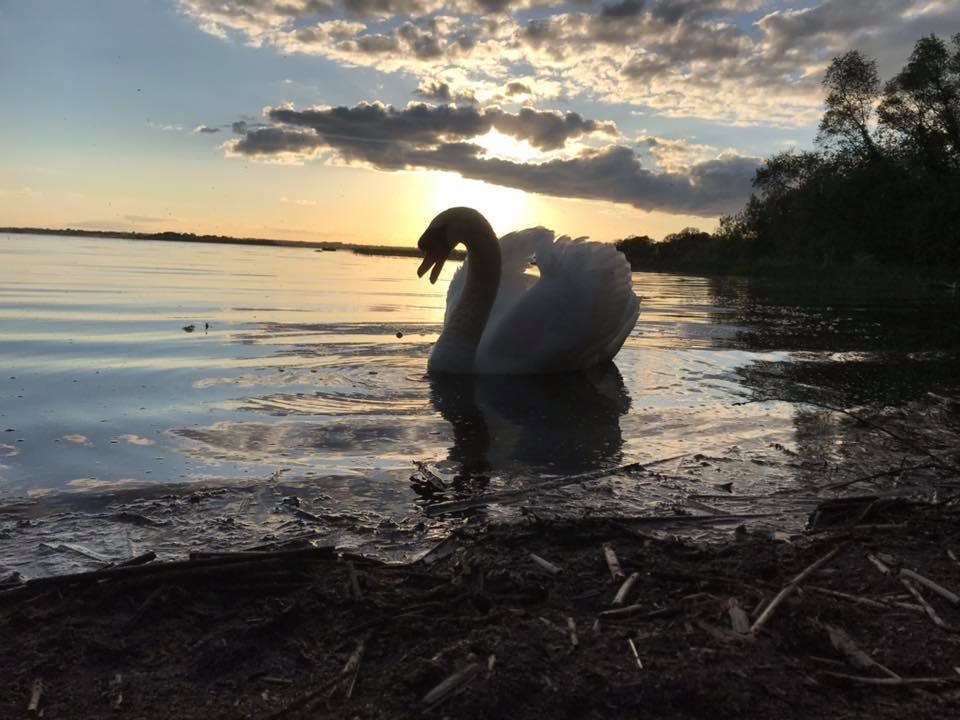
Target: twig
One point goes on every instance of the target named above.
(930, 585)
(35, 692)
(844, 644)
(451, 684)
(738, 617)
(348, 675)
(572, 627)
(850, 598)
(546, 564)
(625, 589)
(879, 564)
(354, 581)
(621, 612)
(874, 476)
(790, 588)
(952, 556)
(613, 563)
(435, 480)
(139, 560)
(927, 607)
(897, 681)
(152, 599)
(636, 655)
(311, 695)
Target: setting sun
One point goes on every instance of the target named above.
(506, 209)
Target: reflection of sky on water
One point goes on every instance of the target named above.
(301, 368)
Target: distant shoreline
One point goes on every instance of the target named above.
(389, 250)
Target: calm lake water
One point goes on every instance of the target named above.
(128, 364)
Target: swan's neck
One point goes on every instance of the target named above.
(456, 348)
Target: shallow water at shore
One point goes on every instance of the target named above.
(134, 365)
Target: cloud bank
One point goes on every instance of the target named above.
(449, 138)
(734, 61)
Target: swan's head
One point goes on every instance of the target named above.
(448, 229)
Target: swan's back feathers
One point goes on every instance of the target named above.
(516, 252)
(576, 316)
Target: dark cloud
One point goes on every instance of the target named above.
(437, 138)
(430, 124)
(205, 130)
(622, 9)
(439, 91)
(518, 88)
(277, 141)
(239, 127)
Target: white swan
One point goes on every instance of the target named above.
(502, 320)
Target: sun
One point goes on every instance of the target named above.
(507, 209)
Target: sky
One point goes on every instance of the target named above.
(358, 120)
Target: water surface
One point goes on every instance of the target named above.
(139, 364)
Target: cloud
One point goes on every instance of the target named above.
(440, 91)
(205, 130)
(445, 138)
(712, 59)
(675, 155)
(368, 125)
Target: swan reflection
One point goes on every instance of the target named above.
(565, 423)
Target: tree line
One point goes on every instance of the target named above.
(881, 187)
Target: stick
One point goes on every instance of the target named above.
(139, 560)
(572, 627)
(927, 607)
(952, 556)
(879, 564)
(431, 477)
(546, 564)
(351, 670)
(625, 589)
(930, 585)
(613, 563)
(851, 598)
(622, 612)
(636, 655)
(451, 684)
(892, 681)
(354, 581)
(874, 476)
(844, 644)
(789, 589)
(738, 617)
(35, 692)
(151, 600)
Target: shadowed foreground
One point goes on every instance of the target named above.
(479, 629)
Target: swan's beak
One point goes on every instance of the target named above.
(437, 261)
(435, 253)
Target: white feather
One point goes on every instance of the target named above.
(575, 316)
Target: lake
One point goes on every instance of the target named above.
(287, 377)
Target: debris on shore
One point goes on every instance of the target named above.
(592, 618)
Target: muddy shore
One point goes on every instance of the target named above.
(480, 628)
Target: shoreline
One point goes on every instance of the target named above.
(521, 620)
(167, 236)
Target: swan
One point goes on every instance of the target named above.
(501, 320)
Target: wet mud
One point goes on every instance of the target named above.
(513, 621)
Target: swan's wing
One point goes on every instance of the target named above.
(576, 316)
(516, 252)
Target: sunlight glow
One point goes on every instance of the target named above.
(507, 148)
(507, 209)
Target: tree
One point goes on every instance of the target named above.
(853, 88)
(921, 105)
